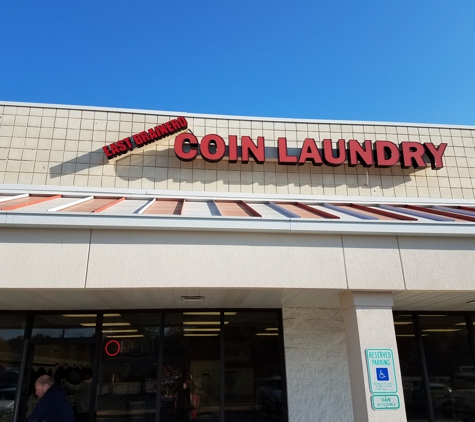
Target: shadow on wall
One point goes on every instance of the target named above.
(163, 166)
(81, 163)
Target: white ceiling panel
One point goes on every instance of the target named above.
(216, 298)
(143, 298)
(258, 297)
(434, 301)
(168, 298)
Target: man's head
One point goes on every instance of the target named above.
(42, 385)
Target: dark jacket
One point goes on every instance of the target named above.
(54, 406)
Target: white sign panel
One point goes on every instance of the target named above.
(381, 371)
(385, 402)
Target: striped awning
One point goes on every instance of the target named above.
(143, 210)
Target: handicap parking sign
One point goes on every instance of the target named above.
(382, 374)
(381, 371)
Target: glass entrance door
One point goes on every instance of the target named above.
(127, 385)
(68, 364)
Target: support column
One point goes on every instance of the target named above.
(369, 324)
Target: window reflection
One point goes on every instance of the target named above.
(449, 365)
(64, 326)
(127, 386)
(195, 347)
(70, 365)
(191, 385)
(11, 348)
(253, 385)
(411, 369)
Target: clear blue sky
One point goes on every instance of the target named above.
(404, 60)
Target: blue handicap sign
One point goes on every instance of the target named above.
(382, 374)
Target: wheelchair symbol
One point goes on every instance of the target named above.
(382, 374)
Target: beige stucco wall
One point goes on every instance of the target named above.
(318, 383)
(210, 260)
(369, 324)
(105, 259)
(43, 258)
(61, 146)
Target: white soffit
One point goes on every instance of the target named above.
(85, 299)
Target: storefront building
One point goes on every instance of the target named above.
(188, 267)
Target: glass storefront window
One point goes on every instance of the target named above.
(448, 362)
(70, 365)
(449, 365)
(411, 369)
(191, 373)
(68, 325)
(197, 366)
(127, 385)
(12, 328)
(253, 379)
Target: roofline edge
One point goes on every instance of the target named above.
(229, 117)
